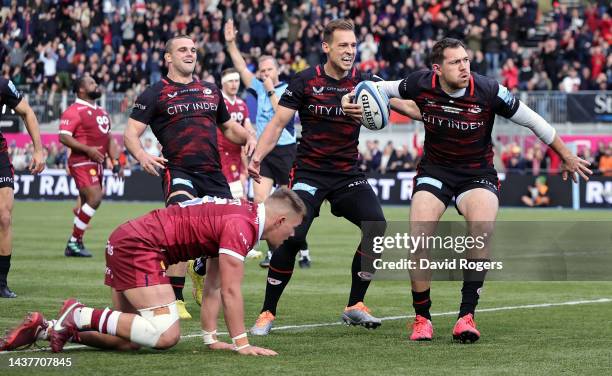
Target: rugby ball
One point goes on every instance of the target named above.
(375, 115)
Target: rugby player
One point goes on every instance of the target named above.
(144, 308)
(85, 129)
(268, 90)
(458, 108)
(11, 98)
(326, 168)
(184, 113)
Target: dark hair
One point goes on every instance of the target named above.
(76, 85)
(288, 197)
(339, 24)
(437, 52)
(169, 42)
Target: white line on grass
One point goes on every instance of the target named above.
(389, 318)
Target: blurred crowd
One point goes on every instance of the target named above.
(373, 157)
(44, 45)
(510, 158)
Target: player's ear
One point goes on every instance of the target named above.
(280, 220)
(167, 57)
(436, 69)
(325, 47)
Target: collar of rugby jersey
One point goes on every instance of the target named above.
(261, 217)
(84, 102)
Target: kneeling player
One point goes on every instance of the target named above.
(145, 306)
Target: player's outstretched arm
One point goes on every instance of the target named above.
(231, 273)
(131, 138)
(572, 164)
(24, 110)
(232, 49)
(269, 138)
(211, 305)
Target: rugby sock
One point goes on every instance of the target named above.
(422, 303)
(199, 266)
(5, 265)
(101, 320)
(361, 277)
(177, 285)
(81, 220)
(279, 274)
(269, 254)
(473, 280)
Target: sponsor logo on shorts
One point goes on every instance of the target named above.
(305, 187)
(366, 276)
(180, 181)
(108, 271)
(486, 182)
(357, 183)
(274, 282)
(6, 179)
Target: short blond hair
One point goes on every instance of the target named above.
(289, 199)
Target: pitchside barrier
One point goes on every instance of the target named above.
(391, 188)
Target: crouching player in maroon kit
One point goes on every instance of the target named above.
(145, 311)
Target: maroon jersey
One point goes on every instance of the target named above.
(329, 137)
(90, 125)
(184, 119)
(458, 129)
(9, 99)
(204, 226)
(239, 112)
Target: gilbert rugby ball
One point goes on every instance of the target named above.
(375, 105)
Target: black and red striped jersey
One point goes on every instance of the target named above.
(458, 129)
(9, 99)
(329, 137)
(184, 118)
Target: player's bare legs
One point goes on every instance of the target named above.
(425, 212)
(176, 272)
(156, 326)
(6, 240)
(91, 198)
(479, 207)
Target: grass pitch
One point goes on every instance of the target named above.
(545, 328)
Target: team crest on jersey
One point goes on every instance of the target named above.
(89, 113)
(475, 109)
(93, 172)
(318, 90)
(172, 95)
